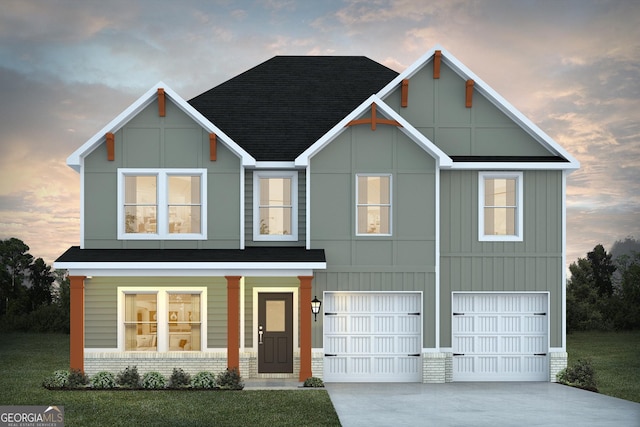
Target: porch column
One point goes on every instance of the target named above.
(76, 317)
(233, 322)
(305, 327)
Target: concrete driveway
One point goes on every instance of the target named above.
(478, 404)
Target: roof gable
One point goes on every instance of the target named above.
(279, 108)
(547, 143)
(76, 158)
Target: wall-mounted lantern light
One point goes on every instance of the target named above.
(315, 307)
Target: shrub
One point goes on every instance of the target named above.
(77, 379)
(59, 379)
(581, 375)
(129, 377)
(153, 380)
(179, 378)
(313, 382)
(204, 380)
(230, 380)
(103, 380)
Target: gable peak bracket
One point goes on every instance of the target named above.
(374, 120)
(111, 146)
(469, 93)
(213, 142)
(437, 58)
(404, 102)
(161, 102)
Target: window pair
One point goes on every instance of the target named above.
(166, 204)
(162, 321)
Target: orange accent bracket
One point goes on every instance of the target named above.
(212, 147)
(437, 57)
(111, 146)
(374, 120)
(469, 93)
(405, 93)
(305, 327)
(76, 318)
(233, 322)
(161, 102)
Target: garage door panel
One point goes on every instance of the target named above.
(500, 337)
(381, 339)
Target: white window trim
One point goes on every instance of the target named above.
(162, 230)
(293, 175)
(390, 205)
(518, 237)
(162, 333)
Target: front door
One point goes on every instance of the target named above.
(275, 332)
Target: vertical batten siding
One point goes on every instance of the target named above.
(535, 264)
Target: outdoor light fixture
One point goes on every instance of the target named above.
(315, 307)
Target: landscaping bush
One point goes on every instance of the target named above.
(204, 379)
(77, 379)
(59, 379)
(230, 380)
(581, 375)
(313, 382)
(179, 378)
(154, 380)
(103, 380)
(129, 377)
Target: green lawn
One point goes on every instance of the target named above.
(615, 357)
(26, 359)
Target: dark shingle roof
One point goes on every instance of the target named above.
(279, 108)
(252, 254)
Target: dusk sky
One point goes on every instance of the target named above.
(69, 67)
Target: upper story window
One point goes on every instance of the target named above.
(162, 204)
(373, 205)
(275, 205)
(500, 210)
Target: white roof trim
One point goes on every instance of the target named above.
(490, 94)
(77, 157)
(443, 160)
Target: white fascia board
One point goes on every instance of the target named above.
(275, 165)
(303, 159)
(75, 159)
(212, 272)
(184, 266)
(512, 166)
(496, 99)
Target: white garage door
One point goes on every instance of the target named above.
(372, 337)
(500, 337)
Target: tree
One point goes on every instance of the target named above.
(41, 280)
(14, 267)
(602, 269)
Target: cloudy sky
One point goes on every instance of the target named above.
(69, 67)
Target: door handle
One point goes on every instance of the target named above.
(260, 332)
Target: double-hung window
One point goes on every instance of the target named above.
(500, 210)
(162, 320)
(373, 205)
(275, 205)
(162, 204)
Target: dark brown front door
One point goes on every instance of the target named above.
(275, 332)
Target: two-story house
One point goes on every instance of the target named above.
(423, 211)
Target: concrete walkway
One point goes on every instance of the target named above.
(478, 404)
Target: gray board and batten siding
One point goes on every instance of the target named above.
(151, 141)
(404, 261)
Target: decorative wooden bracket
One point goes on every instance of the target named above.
(469, 93)
(213, 140)
(111, 147)
(405, 93)
(161, 102)
(374, 120)
(436, 64)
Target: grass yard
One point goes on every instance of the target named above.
(615, 357)
(26, 359)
